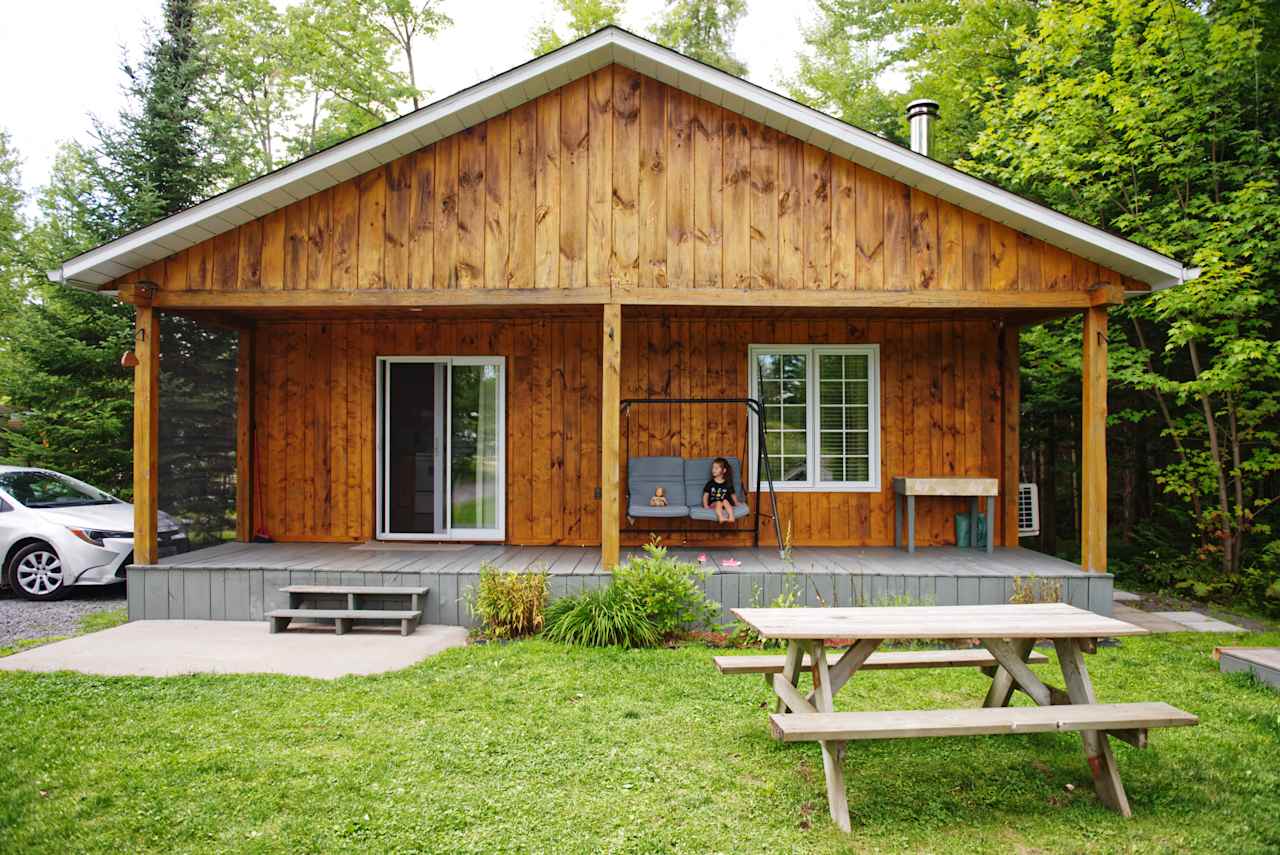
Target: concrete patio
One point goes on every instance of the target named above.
(174, 647)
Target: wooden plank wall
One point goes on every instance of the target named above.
(616, 179)
(314, 422)
(941, 410)
(314, 415)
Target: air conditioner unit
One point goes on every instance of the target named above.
(1028, 510)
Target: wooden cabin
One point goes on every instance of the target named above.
(440, 319)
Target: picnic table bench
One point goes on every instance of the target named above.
(1007, 634)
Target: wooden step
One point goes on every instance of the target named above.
(354, 589)
(971, 658)
(342, 618)
(351, 592)
(842, 726)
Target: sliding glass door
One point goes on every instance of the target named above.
(441, 448)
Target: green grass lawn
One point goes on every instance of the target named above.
(532, 747)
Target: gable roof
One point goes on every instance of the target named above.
(497, 95)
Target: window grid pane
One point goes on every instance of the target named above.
(844, 417)
(783, 394)
(841, 408)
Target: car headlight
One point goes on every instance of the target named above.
(96, 536)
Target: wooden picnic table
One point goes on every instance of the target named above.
(1008, 632)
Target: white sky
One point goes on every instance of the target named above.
(60, 59)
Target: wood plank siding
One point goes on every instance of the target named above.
(617, 180)
(314, 420)
(618, 196)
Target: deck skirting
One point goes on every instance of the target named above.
(181, 591)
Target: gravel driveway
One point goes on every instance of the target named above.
(21, 619)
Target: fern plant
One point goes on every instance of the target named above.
(605, 617)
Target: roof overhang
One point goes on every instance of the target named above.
(324, 169)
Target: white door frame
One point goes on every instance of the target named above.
(383, 485)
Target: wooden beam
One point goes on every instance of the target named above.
(990, 301)
(1106, 295)
(1011, 399)
(610, 403)
(146, 432)
(1048, 302)
(244, 437)
(368, 298)
(1093, 444)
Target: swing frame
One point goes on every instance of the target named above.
(762, 465)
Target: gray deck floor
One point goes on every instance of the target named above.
(575, 561)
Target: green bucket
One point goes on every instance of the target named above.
(964, 530)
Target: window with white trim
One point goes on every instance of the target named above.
(821, 408)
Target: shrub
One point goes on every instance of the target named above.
(1036, 590)
(612, 615)
(509, 604)
(668, 590)
(789, 598)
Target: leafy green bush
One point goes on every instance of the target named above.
(604, 617)
(509, 604)
(668, 590)
(789, 598)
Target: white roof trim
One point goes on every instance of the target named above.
(516, 86)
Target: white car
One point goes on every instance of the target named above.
(57, 532)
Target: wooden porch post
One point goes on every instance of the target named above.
(244, 436)
(1011, 397)
(610, 401)
(146, 431)
(1093, 442)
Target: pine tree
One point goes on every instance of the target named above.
(71, 401)
(159, 157)
(71, 398)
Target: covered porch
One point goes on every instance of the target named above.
(242, 581)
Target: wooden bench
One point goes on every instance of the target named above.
(848, 726)
(973, 658)
(343, 618)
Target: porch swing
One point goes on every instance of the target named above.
(682, 479)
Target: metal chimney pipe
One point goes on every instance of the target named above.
(920, 115)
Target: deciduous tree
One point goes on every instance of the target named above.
(585, 17)
(703, 30)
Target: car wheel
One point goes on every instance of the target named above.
(35, 573)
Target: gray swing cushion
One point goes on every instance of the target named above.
(697, 472)
(644, 474)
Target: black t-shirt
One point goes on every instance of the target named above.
(717, 492)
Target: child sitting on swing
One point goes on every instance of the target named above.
(718, 495)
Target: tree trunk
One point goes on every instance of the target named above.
(1049, 494)
(413, 78)
(1166, 415)
(1075, 490)
(1215, 450)
(1237, 478)
(1128, 482)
